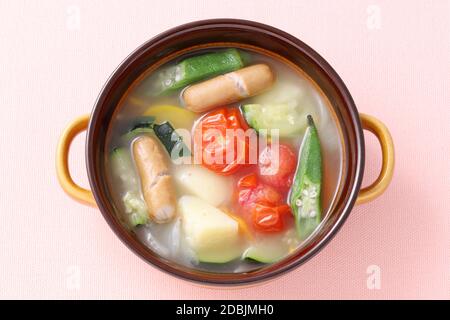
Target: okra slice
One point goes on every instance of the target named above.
(197, 68)
(305, 197)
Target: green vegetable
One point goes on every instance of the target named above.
(265, 253)
(131, 135)
(123, 169)
(144, 125)
(197, 68)
(165, 132)
(305, 198)
(171, 140)
(263, 118)
(125, 174)
(135, 208)
(283, 107)
(143, 122)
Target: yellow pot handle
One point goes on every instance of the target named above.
(62, 164)
(388, 159)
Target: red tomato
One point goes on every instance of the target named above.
(252, 192)
(268, 218)
(277, 166)
(261, 204)
(248, 181)
(221, 151)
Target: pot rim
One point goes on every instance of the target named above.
(247, 25)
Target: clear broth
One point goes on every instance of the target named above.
(167, 239)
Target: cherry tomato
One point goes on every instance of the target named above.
(252, 192)
(277, 166)
(261, 204)
(268, 218)
(248, 181)
(221, 151)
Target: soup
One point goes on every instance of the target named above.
(223, 160)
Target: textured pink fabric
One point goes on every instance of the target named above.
(56, 55)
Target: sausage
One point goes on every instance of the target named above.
(156, 182)
(228, 88)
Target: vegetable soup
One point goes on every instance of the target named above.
(224, 160)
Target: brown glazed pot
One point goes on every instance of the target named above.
(253, 36)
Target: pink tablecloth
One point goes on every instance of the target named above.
(393, 56)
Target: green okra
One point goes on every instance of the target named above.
(197, 68)
(305, 195)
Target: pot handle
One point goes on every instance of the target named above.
(381, 132)
(78, 193)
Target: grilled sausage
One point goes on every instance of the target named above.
(228, 88)
(156, 182)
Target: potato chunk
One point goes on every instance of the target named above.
(200, 182)
(210, 232)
